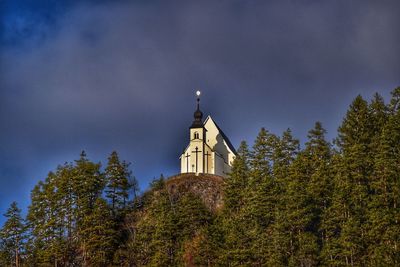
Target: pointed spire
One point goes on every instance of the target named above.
(198, 115)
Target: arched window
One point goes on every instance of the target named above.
(196, 135)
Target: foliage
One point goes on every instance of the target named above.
(12, 236)
(321, 205)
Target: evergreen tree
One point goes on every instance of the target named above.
(234, 222)
(318, 164)
(261, 155)
(12, 236)
(205, 248)
(163, 233)
(261, 181)
(158, 184)
(379, 113)
(235, 186)
(35, 222)
(262, 199)
(5, 257)
(59, 206)
(306, 196)
(285, 150)
(318, 167)
(156, 235)
(45, 221)
(354, 167)
(87, 184)
(119, 181)
(98, 235)
(66, 203)
(384, 207)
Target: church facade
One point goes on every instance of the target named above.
(209, 150)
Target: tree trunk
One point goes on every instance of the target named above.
(16, 258)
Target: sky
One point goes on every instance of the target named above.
(121, 75)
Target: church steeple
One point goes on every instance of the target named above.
(198, 115)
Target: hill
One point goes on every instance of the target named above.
(208, 187)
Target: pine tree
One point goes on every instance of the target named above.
(236, 184)
(379, 114)
(206, 247)
(284, 152)
(12, 236)
(98, 235)
(88, 183)
(261, 181)
(153, 229)
(318, 169)
(248, 205)
(305, 198)
(66, 206)
(318, 163)
(158, 184)
(384, 207)
(234, 222)
(261, 155)
(164, 232)
(191, 215)
(5, 257)
(36, 221)
(347, 239)
(164, 237)
(45, 221)
(261, 197)
(59, 206)
(119, 181)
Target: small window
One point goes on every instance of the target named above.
(196, 135)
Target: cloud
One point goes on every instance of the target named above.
(122, 74)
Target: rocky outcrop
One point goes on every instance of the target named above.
(206, 186)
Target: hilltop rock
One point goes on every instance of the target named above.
(206, 186)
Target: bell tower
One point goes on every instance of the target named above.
(197, 137)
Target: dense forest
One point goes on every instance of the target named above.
(320, 204)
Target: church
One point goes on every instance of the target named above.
(209, 150)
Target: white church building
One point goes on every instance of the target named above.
(209, 150)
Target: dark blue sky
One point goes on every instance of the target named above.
(121, 75)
